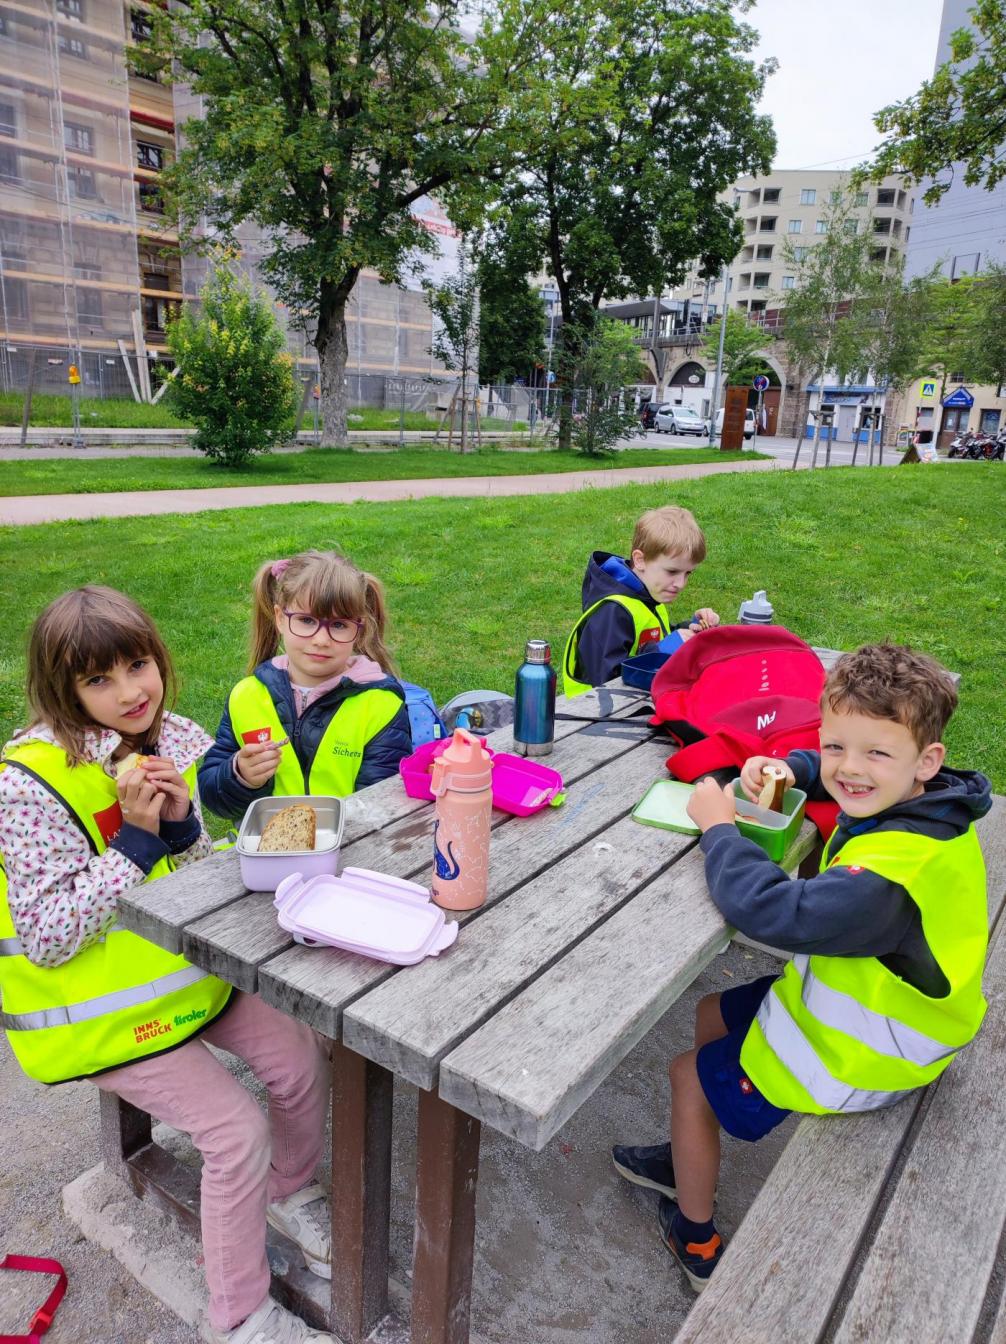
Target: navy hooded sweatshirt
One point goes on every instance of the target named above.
(605, 640)
(226, 795)
(841, 912)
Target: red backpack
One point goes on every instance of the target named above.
(737, 691)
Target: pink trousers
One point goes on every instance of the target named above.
(249, 1158)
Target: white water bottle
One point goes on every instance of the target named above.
(756, 611)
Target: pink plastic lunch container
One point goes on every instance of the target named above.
(520, 786)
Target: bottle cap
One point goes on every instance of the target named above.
(537, 651)
(465, 766)
(757, 610)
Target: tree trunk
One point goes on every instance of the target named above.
(333, 352)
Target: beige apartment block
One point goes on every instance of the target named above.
(90, 268)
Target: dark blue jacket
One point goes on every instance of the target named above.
(843, 912)
(223, 792)
(607, 637)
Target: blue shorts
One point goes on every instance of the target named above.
(739, 1106)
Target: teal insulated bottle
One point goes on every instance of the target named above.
(534, 701)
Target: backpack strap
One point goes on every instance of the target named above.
(42, 1318)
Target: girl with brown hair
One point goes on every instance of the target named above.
(325, 716)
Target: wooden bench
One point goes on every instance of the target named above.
(884, 1226)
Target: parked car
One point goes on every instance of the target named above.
(749, 423)
(648, 412)
(679, 420)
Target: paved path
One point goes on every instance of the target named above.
(24, 509)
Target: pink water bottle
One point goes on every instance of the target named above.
(462, 786)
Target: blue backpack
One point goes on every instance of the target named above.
(424, 721)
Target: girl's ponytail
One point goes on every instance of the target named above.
(371, 638)
(264, 636)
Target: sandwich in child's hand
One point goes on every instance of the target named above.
(293, 828)
(773, 789)
(131, 762)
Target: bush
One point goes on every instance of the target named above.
(235, 381)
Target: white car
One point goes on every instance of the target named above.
(678, 420)
(749, 423)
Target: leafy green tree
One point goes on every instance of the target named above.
(947, 326)
(235, 381)
(984, 355)
(743, 343)
(609, 360)
(455, 304)
(511, 317)
(651, 113)
(958, 116)
(326, 125)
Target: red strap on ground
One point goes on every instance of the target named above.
(42, 1319)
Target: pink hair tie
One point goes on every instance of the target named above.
(279, 568)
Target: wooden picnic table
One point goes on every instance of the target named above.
(593, 926)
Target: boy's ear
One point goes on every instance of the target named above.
(930, 761)
(637, 559)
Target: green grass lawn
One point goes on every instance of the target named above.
(54, 410)
(83, 475)
(914, 554)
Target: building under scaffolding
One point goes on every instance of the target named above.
(89, 271)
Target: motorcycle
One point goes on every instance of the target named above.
(959, 447)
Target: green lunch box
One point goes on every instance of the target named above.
(773, 831)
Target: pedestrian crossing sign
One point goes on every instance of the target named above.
(929, 389)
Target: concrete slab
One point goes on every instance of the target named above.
(566, 1252)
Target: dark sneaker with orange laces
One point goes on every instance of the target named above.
(697, 1260)
(650, 1167)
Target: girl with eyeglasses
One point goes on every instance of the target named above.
(326, 715)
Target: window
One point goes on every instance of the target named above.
(795, 226)
(767, 224)
(770, 196)
(71, 9)
(78, 139)
(800, 254)
(89, 307)
(956, 378)
(150, 198)
(789, 282)
(965, 265)
(149, 156)
(882, 226)
(8, 157)
(754, 197)
(836, 197)
(851, 226)
(989, 422)
(901, 200)
(879, 254)
(745, 280)
(885, 196)
(72, 46)
(751, 224)
(758, 305)
(761, 279)
(81, 183)
(15, 297)
(862, 197)
(808, 196)
(896, 228)
(748, 254)
(764, 252)
(139, 25)
(14, 245)
(908, 234)
(821, 226)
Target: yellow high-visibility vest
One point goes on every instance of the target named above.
(643, 618)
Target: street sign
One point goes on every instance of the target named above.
(550, 377)
(760, 383)
(928, 390)
(962, 397)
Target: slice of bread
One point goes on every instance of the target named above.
(130, 762)
(773, 789)
(293, 828)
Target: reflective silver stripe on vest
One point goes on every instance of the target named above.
(794, 1050)
(106, 1003)
(10, 947)
(886, 1035)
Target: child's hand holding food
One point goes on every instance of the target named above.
(711, 805)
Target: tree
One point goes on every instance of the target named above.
(511, 316)
(984, 355)
(819, 333)
(455, 305)
(957, 117)
(742, 346)
(609, 360)
(621, 192)
(326, 125)
(948, 318)
(235, 381)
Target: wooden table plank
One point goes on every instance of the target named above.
(414, 1019)
(317, 984)
(537, 1060)
(234, 941)
(160, 910)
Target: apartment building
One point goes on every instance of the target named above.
(89, 268)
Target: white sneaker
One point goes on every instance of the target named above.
(272, 1324)
(306, 1218)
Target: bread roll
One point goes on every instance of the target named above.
(292, 828)
(130, 762)
(774, 789)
